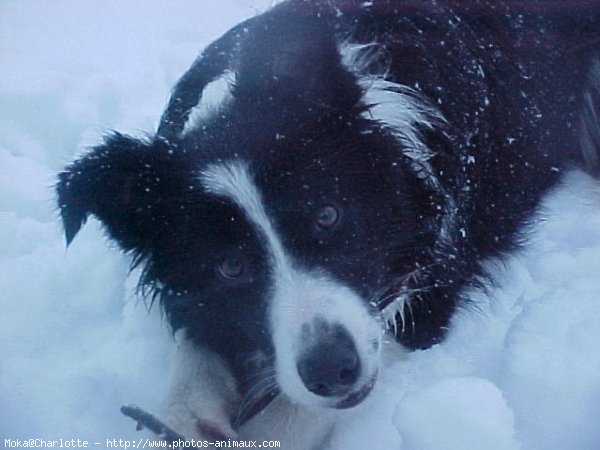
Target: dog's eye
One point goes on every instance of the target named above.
(231, 268)
(327, 217)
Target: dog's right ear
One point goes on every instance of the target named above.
(133, 187)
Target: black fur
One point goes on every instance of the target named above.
(511, 79)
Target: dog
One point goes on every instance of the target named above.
(324, 188)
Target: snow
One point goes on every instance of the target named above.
(519, 371)
(456, 402)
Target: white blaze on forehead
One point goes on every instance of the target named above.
(233, 181)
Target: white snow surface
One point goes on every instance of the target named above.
(521, 370)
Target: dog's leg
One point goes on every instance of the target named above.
(203, 394)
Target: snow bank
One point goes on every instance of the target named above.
(521, 371)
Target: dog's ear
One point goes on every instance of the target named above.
(292, 55)
(133, 187)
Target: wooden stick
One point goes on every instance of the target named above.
(147, 420)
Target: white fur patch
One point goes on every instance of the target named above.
(298, 296)
(398, 107)
(215, 96)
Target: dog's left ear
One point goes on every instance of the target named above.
(293, 55)
(133, 187)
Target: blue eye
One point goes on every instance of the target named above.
(327, 217)
(231, 268)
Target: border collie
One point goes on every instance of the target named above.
(325, 184)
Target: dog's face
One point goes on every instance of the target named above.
(293, 249)
(271, 227)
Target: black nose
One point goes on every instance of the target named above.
(330, 365)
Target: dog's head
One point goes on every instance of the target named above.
(272, 224)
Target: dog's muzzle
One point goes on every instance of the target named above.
(329, 365)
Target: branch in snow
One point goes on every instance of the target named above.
(150, 422)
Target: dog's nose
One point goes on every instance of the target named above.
(330, 364)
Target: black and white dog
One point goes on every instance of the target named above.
(361, 163)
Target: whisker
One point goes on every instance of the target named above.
(394, 299)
